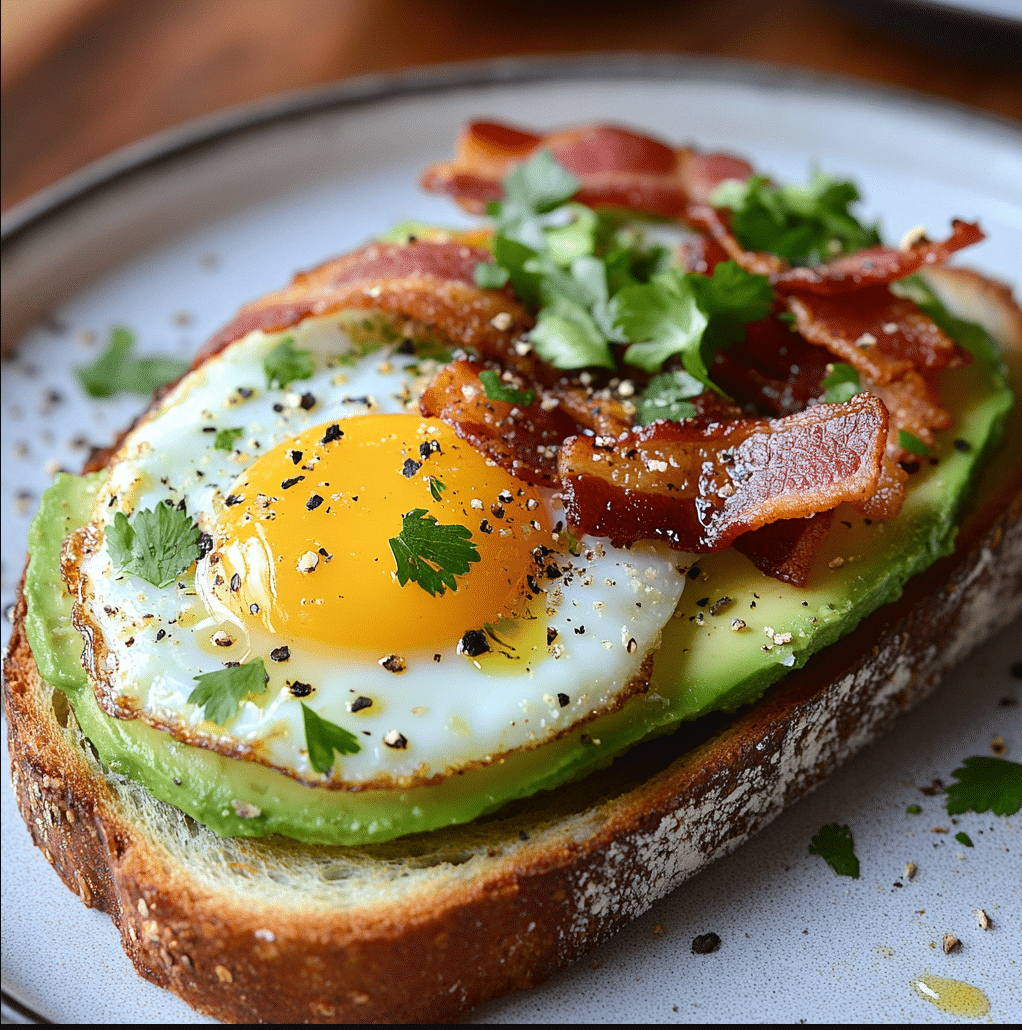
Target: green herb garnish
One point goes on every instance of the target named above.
(834, 844)
(842, 384)
(436, 487)
(220, 693)
(323, 738)
(497, 390)
(912, 444)
(117, 370)
(964, 839)
(430, 554)
(986, 785)
(156, 545)
(285, 363)
(803, 224)
(666, 396)
(225, 439)
(489, 276)
(913, 810)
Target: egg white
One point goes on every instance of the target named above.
(445, 711)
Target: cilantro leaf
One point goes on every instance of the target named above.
(538, 185)
(842, 384)
(912, 444)
(804, 224)
(497, 390)
(117, 370)
(436, 487)
(323, 738)
(225, 439)
(986, 785)
(156, 545)
(430, 554)
(489, 276)
(662, 319)
(730, 299)
(285, 363)
(220, 693)
(964, 839)
(666, 396)
(834, 844)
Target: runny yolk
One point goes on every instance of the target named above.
(303, 548)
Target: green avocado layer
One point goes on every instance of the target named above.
(735, 632)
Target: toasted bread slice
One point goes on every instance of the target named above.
(422, 928)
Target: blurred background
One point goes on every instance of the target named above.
(82, 78)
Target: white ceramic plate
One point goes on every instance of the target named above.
(173, 235)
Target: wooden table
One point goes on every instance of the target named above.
(84, 77)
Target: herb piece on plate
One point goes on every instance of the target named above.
(155, 545)
(841, 384)
(118, 370)
(497, 390)
(667, 395)
(323, 738)
(286, 363)
(225, 439)
(834, 844)
(986, 785)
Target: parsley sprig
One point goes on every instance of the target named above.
(834, 844)
(155, 545)
(323, 738)
(286, 363)
(220, 693)
(986, 785)
(841, 384)
(667, 396)
(430, 554)
(497, 390)
(596, 283)
(118, 370)
(225, 439)
(803, 224)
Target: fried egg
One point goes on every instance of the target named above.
(304, 496)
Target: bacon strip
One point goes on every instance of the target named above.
(699, 485)
(430, 283)
(523, 440)
(617, 167)
(786, 550)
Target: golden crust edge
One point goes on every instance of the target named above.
(555, 896)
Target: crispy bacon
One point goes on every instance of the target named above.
(432, 284)
(786, 550)
(877, 265)
(700, 484)
(880, 335)
(522, 439)
(617, 167)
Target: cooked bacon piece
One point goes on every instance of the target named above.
(890, 492)
(700, 484)
(915, 406)
(597, 410)
(880, 335)
(617, 167)
(876, 265)
(786, 550)
(523, 440)
(431, 284)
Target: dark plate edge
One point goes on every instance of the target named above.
(210, 130)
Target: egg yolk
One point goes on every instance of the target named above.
(304, 544)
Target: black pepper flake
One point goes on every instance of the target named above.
(205, 544)
(705, 944)
(313, 503)
(209, 429)
(436, 658)
(332, 434)
(551, 635)
(721, 604)
(533, 585)
(129, 641)
(497, 511)
(161, 634)
(308, 402)
(522, 835)
(299, 689)
(563, 700)
(962, 446)
(253, 609)
(288, 483)
(1016, 670)
(245, 392)
(235, 583)
(407, 346)
(485, 527)
(1007, 702)
(410, 467)
(398, 741)
(553, 572)
(394, 663)
(579, 630)
(280, 654)
(473, 643)
(694, 572)
(295, 456)
(325, 553)
(233, 499)
(359, 703)
(703, 602)
(428, 447)
(278, 407)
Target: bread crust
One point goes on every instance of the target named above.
(420, 944)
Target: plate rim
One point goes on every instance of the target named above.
(208, 131)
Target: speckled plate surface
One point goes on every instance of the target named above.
(172, 236)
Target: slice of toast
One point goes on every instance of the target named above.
(422, 928)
